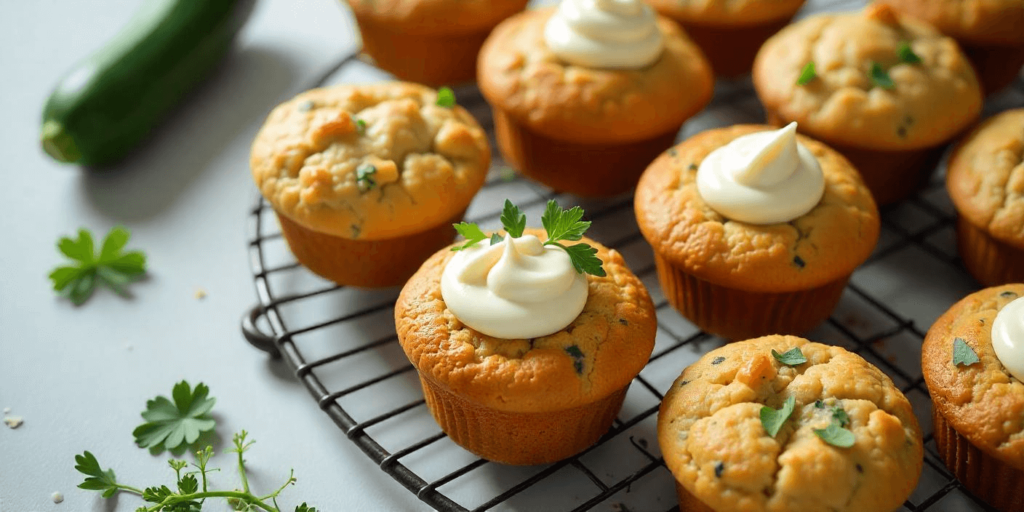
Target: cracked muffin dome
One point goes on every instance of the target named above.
(741, 280)
(365, 180)
(715, 444)
(985, 179)
(528, 401)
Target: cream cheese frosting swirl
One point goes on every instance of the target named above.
(614, 34)
(1008, 337)
(517, 288)
(762, 178)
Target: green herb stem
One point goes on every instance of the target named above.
(238, 495)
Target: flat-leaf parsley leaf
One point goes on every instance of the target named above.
(112, 267)
(471, 232)
(513, 220)
(446, 97)
(963, 354)
(880, 77)
(836, 435)
(807, 74)
(906, 54)
(169, 424)
(773, 419)
(792, 357)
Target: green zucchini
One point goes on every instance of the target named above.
(111, 101)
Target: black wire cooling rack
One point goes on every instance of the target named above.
(340, 342)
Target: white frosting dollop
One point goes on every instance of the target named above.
(1008, 337)
(762, 178)
(615, 34)
(517, 288)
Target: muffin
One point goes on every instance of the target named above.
(523, 360)
(744, 260)
(366, 180)
(729, 32)
(973, 366)
(851, 442)
(585, 96)
(991, 33)
(886, 91)
(985, 178)
(431, 42)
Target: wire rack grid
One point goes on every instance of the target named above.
(340, 342)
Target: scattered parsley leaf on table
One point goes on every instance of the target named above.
(773, 419)
(112, 267)
(169, 424)
(963, 354)
(836, 435)
(792, 357)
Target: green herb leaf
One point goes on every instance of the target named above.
(792, 357)
(563, 224)
(446, 97)
(96, 478)
(836, 435)
(880, 78)
(112, 267)
(360, 127)
(471, 232)
(169, 424)
(584, 259)
(840, 416)
(773, 419)
(305, 508)
(496, 238)
(963, 354)
(365, 177)
(513, 220)
(906, 54)
(807, 74)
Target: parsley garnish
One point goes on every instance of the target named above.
(364, 177)
(807, 74)
(561, 225)
(906, 54)
(111, 267)
(836, 435)
(360, 127)
(169, 424)
(190, 491)
(839, 415)
(963, 354)
(772, 419)
(792, 357)
(496, 238)
(880, 78)
(445, 97)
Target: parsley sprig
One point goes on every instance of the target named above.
(169, 423)
(111, 267)
(189, 492)
(561, 226)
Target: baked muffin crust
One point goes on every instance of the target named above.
(429, 160)
(437, 16)
(520, 75)
(982, 402)
(931, 102)
(821, 246)
(985, 177)
(728, 12)
(594, 356)
(713, 441)
(997, 22)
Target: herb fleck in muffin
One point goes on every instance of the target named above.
(365, 180)
(782, 424)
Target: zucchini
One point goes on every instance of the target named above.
(111, 101)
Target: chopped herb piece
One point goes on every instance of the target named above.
(364, 177)
(574, 351)
(772, 419)
(880, 78)
(836, 435)
(623, 321)
(792, 357)
(839, 415)
(577, 357)
(111, 267)
(1008, 295)
(860, 469)
(719, 469)
(683, 383)
(906, 54)
(807, 74)
(360, 127)
(718, 360)
(963, 354)
(693, 167)
(445, 97)
(496, 239)
(508, 174)
(513, 220)
(798, 261)
(471, 232)
(819, 404)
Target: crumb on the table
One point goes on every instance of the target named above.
(200, 294)
(57, 497)
(14, 421)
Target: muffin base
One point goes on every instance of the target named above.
(690, 503)
(731, 49)
(364, 263)
(739, 314)
(997, 66)
(520, 438)
(589, 170)
(892, 176)
(990, 261)
(990, 479)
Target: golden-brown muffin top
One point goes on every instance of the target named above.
(995, 22)
(930, 102)
(436, 16)
(519, 74)
(597, 354)
(823, 245)
(982, 402)
(732, 13)
(986, 177)
(713, 441)
(420, 163)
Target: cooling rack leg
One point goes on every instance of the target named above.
(255, 336)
